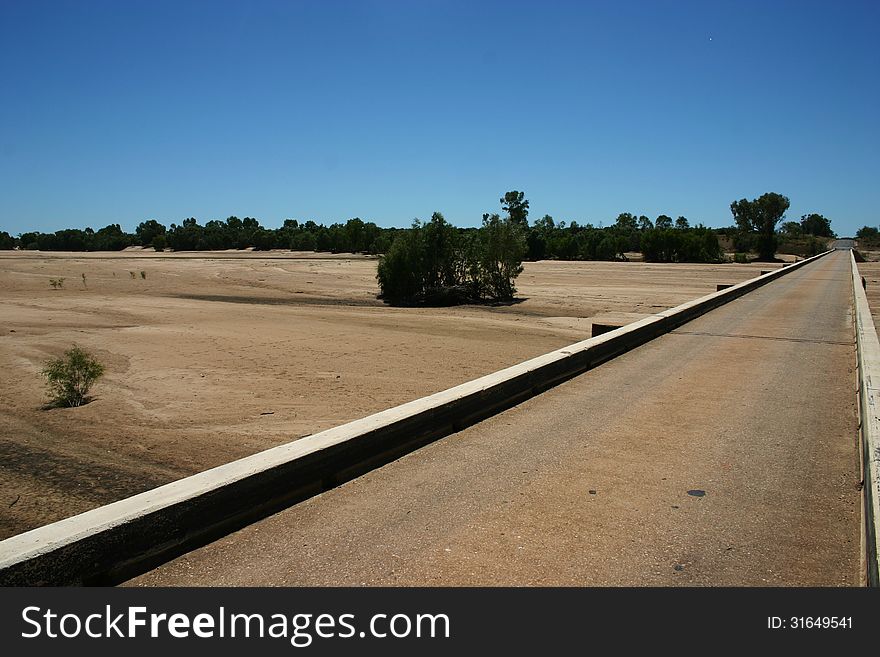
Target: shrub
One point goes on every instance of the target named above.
(740, 258)
(71, 376)
(56, 283)
(435, 264)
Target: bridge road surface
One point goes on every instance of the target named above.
(588, 483)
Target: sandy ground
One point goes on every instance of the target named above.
(213, 357)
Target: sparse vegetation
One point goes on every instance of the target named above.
(71, 376)
(56, 283)
(143, 275)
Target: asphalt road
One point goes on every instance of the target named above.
(723, 453)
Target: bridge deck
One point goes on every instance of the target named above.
(723, 453)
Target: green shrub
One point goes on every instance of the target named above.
(70, 377)
(56, 283)
(436, 264)
(740, 258)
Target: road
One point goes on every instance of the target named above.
(724, 453)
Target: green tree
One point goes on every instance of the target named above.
(71, 376)
(503, 247)
(817, 225)
(539, 237)
(516, 206)
(682, 223)
(760, 216)
(663, 222)
(146, 231)
(627, 222)
(400, 273)
(438, 254)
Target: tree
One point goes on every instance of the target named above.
(645, 223)
(503, 246)
(516, 206)
(867, 233)
(438, 254)
(627, 222)
(7, 241)
(400, 273)
(539, 236)
(760, 216)
(816, 224)
(71, 377)
(663, 222)
(682, 223)
(147, 230)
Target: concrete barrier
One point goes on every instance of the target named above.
(722, 286)
(868, 360)
(117, 541)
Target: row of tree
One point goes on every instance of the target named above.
(660, 240)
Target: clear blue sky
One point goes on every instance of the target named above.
(120, 111)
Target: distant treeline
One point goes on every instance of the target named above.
(868, 236)
(546, 239)
(660, 240)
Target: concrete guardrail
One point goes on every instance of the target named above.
(120, 540)
(868, 357)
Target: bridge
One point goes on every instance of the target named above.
(725, 451)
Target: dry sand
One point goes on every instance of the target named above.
(211, 357)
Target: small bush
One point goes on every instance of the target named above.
(741, 258)
(56, 283)
(71, 376)
(144, 275)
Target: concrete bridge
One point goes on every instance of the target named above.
(723, 452)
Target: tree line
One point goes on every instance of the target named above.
(660, 240)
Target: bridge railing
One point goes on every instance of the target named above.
(868, 358)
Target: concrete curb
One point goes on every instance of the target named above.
(868, 356)
(120, 540)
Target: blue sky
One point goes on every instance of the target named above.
(121, 111)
